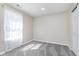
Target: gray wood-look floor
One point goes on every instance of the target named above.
(36, 48)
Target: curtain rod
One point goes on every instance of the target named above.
(75, 7)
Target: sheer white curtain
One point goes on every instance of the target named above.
(13, 28)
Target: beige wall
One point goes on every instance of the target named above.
(27, 29)
(52, 28)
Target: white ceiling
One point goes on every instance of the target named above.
(34, 9)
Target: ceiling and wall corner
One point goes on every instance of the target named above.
(41, 9)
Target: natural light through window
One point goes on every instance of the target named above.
(13, 27)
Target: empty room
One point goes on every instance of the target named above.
(39, 29)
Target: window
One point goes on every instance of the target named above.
(13, 28)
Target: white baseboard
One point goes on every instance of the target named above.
(26, 42)
(52, 42)
(3, 52)
(73, 51)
